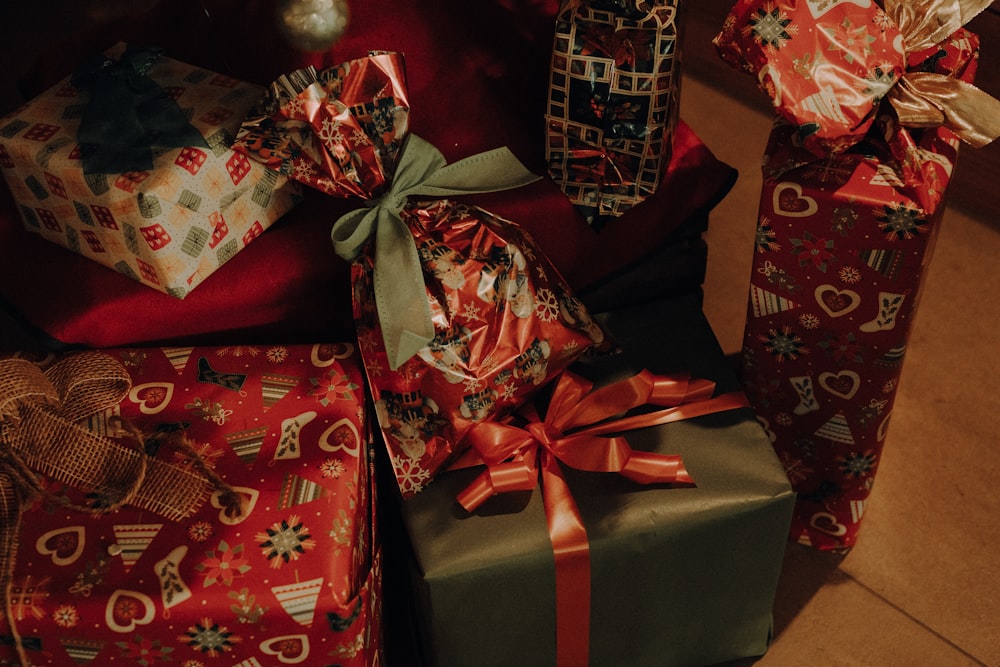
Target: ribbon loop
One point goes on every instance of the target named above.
(404, 312)
(926, 99)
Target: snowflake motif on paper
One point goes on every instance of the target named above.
(329, 132)
(200, 531)
(765, 239)
(367, 341)
(546, 305)
(472, 312)
(409, 475)
(144, 651)
(472, 385)
(223, 564)
(879, 80)
(359, 138)
(332, 468)
(853, 42)
(66, 616)
(783, 344)
(540, 270)
(857, 465)
(808, 321)
(295, 107)
(212, 411)
(843, 348)
(286, 541)
(333, 387)
(303, 170)
(795, 468)
(277, 354)
(237, 351)
(882, 20)
(900, 221)
(772, 28)
(843, 220)
(815, 251)
(245, 606)
(783, 419)
(849, 274)
(507, 392)
(210, 638)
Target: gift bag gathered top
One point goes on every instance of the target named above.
(872, 103)
(459, 315)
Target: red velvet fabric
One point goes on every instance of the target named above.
(478, 77)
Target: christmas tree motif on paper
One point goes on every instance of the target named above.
(132, 541)
(81, 651)
(178, 357)
(764, 302)
(836, 429)
(247, 444)
(299, 599)
(275, 387)
(297, 490)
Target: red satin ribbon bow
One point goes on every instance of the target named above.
(573, 432)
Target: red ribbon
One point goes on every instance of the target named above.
(573, 432)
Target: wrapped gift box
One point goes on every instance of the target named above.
(680, 576)
(168, 223)
(851, 204)
(613, 102)
(292, 579)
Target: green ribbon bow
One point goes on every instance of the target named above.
(128, 114)
(404, 312)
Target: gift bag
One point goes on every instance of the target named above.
(871, 107)
(460, 316)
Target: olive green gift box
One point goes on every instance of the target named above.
(679, 575)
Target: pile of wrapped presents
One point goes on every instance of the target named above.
(371, 333)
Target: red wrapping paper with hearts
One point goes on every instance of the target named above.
(293, 579)
(851, 204)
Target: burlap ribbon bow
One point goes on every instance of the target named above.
(928, 99)
(42, 433)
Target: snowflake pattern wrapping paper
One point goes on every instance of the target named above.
(168, 225)
(294, 579)
(843, 240)
(613, 102)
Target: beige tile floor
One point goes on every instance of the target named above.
(922, 587)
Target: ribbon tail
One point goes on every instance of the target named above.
(572, 566)
(403, 308)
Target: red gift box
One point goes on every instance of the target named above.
(176, 574)
(845, 231)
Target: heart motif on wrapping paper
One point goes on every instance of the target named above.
(289, 649)
(837, 302)
(341, 436)
(121, 611)
(843, 384)
(827, 523)
(152, 397)
(249, 497)
(63, 545)
(789, 201)
(322, 356)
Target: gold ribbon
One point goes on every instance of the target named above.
(403, 309)
(927, 99)
(41, 433)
